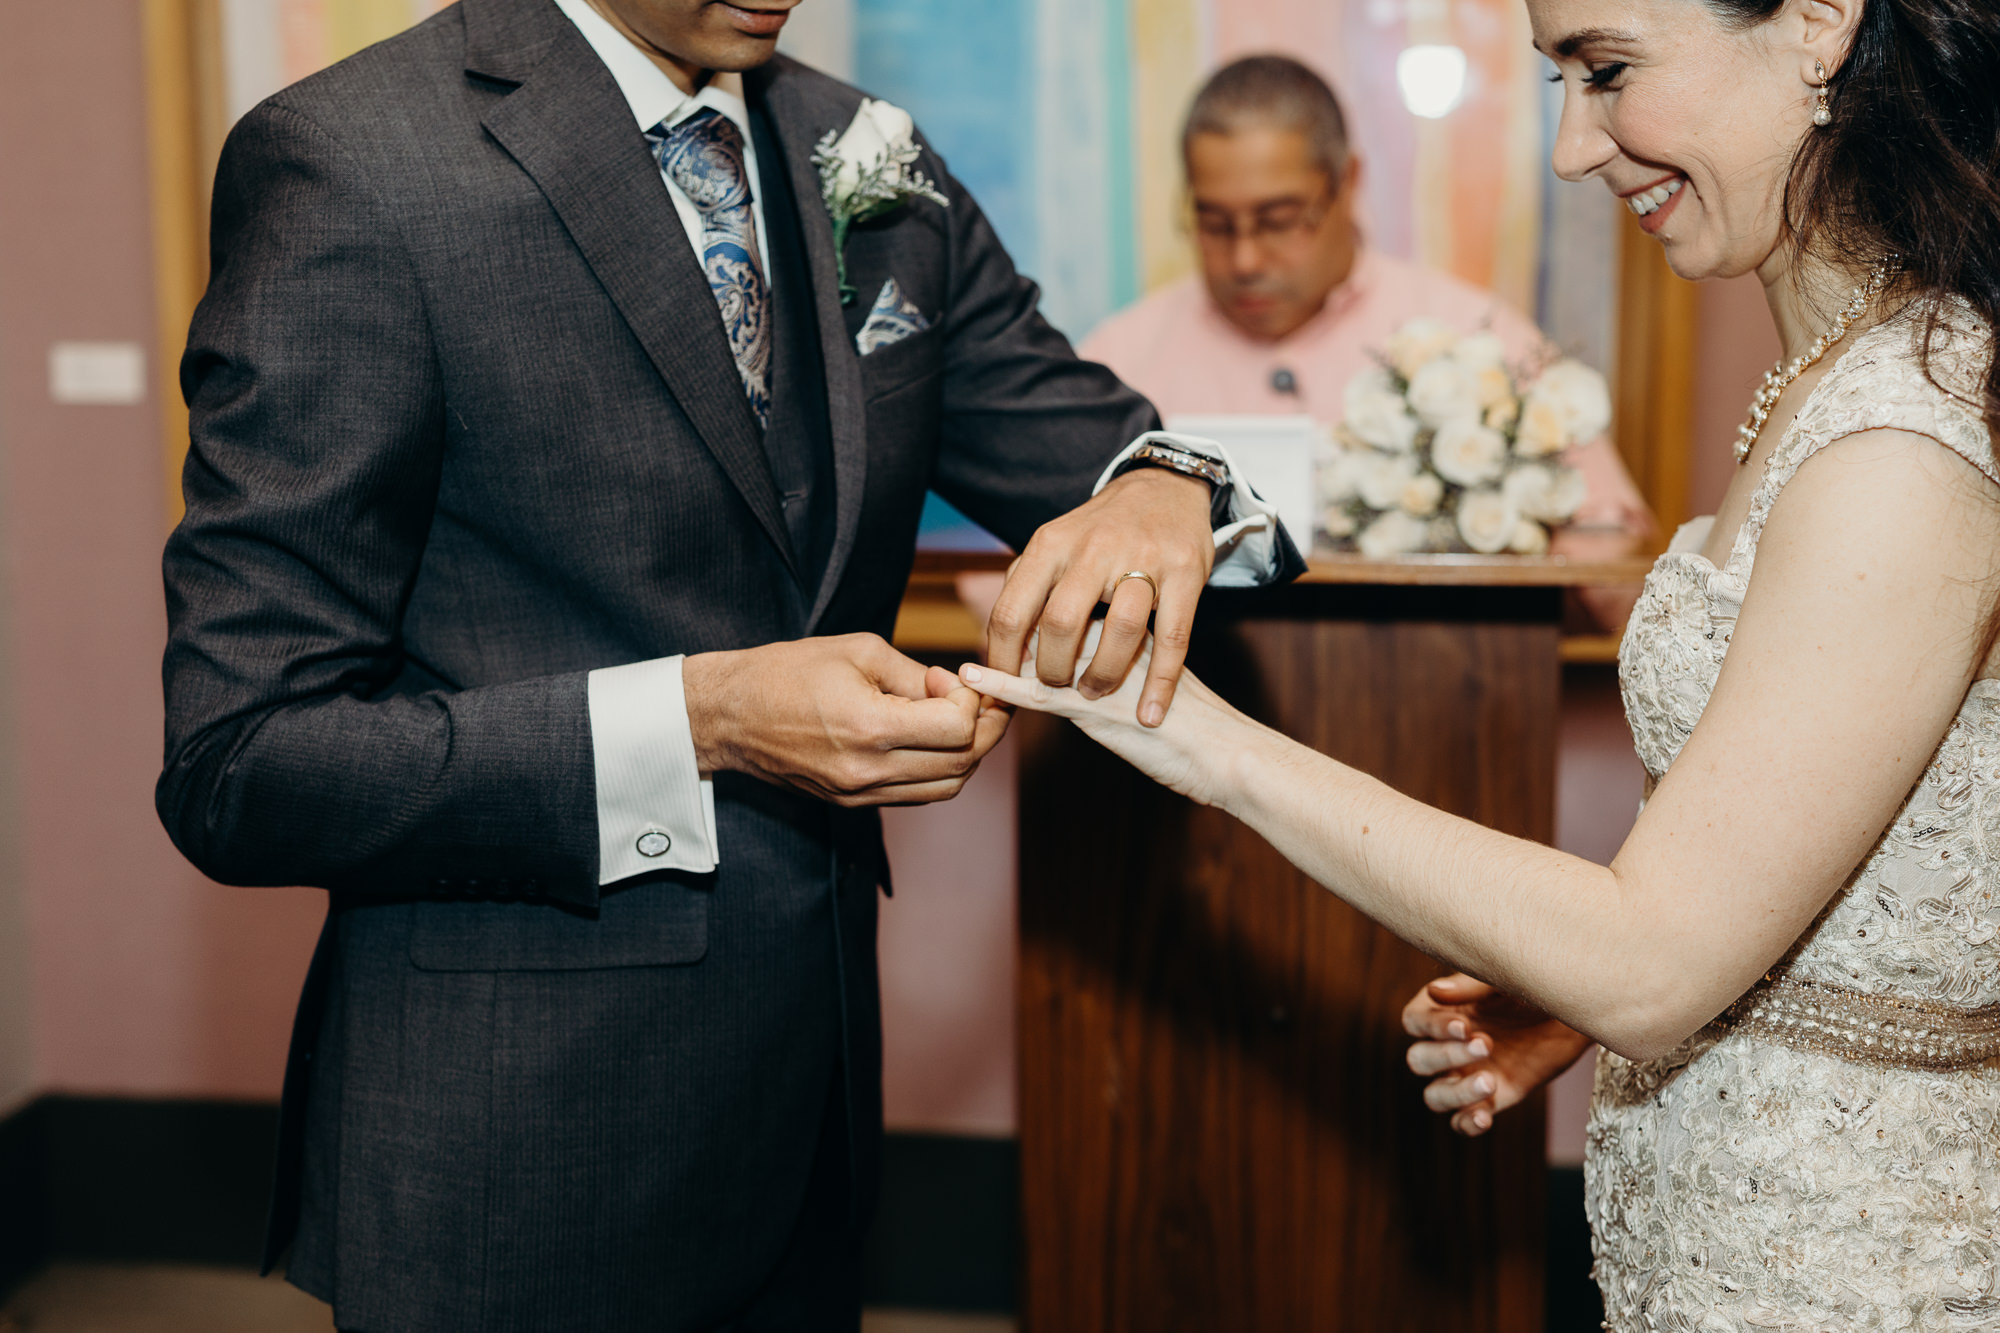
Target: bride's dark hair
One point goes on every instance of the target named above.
(1910, 164)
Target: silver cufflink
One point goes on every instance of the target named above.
(654, 843)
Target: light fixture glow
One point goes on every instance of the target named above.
(1432, 79)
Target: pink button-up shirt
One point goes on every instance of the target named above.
(1177, 349)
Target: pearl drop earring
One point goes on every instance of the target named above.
(1823, 113)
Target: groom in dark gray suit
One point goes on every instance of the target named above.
(544, 516)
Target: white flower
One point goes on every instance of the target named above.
(1338, 476)
(1571, 396)
(1394, 533)
(866, 171)
(1422, 494)
(1443, 391)
(1542, 430)
(1546, 493)
(1530, 538)
(1417, 342)
(1482, 351)
(1376, 414)
(1492, 388)
(1486, 520)
(1468, 453)
(1337, 523)
(880, 135)
(1380, 478)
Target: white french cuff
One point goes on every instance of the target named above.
(1246, 547)
(655, 811)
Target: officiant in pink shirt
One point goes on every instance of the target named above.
(1291, 303)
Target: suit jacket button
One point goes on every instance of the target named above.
(654, 843)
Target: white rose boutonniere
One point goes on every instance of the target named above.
(867, 171)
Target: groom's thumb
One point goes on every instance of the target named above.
(939, 683)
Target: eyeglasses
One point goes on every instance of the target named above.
(1281, 223)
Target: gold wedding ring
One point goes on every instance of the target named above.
(1151, 582)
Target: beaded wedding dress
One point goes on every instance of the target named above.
(1824, 1157)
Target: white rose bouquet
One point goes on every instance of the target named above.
(867, 171)
(1442, 449)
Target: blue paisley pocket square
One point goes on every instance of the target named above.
(894, 318)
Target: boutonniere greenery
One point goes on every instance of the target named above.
(868, 171)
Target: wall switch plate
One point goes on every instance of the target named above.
(100, 374)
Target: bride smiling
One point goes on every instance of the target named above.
(1794, 961)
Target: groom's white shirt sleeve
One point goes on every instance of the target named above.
(655, 810)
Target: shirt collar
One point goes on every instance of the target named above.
(653, 96)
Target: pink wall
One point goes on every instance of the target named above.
(1736, 344)
(145, 978)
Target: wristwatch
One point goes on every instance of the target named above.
(1211, 470)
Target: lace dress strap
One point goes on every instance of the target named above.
(1880, 383)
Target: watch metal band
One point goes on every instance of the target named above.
(1182, 461)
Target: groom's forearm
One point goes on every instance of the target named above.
(484, 792)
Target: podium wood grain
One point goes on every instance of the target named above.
(1217, 1128)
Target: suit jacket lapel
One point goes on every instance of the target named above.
(798, 120)
(569, 128)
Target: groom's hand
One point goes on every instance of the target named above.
(849, 720)
(1152, 521)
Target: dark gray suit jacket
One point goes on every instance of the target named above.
(465, 426)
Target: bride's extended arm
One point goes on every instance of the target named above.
(1869, 616)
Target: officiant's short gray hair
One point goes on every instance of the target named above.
(1271, 91)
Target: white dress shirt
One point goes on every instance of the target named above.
(655, 810)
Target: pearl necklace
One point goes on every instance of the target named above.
(1779, 378)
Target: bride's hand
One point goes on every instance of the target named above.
(1182, 753)
(1483, 1050)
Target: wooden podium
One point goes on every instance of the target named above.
(1218, 1131)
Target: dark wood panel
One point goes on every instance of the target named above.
(1217, 1129)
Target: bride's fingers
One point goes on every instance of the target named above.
(1458, 988)
(1022, 693)
(1473, 1121)
(1458, 1094)
(1424, 1018)
(1436, 1057)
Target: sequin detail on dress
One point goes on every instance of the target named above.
(1755, 1181)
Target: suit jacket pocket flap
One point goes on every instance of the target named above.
(891, 368)
(658, 924)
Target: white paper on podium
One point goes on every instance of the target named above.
(1279, 454)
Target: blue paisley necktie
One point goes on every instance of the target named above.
(703, 155)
